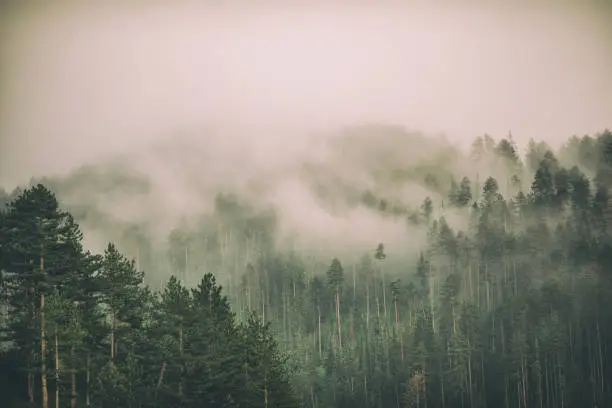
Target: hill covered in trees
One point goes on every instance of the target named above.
(387, 271)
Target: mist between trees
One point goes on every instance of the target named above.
(376, 275)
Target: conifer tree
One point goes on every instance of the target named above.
(335, 276)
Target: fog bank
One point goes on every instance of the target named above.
(82, 81)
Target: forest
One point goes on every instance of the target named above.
(495, 292)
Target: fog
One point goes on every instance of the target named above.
(238, 92)
(82, 81)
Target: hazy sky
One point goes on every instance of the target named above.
(77, 82)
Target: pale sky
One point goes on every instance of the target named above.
(79, 82)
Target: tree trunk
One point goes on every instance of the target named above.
(320, 347)
(43, 353)
(263, 306)
(161, 375)
(87, 377)
(384, 292)
(398, 330)
(365, 387)
(600, 359)
(470, 380)
(57, 376)
(432, 283)
(112, 339)
(73, 385)
(31, 387)
(312, 397)
(354, 285)
(315, 330)
(30, 358)
(367, 307)
(265, 392)
(377, 303)
(539, 374)
(186, 264)
(523, 382)
(338, 316)
(180, 390)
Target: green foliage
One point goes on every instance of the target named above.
(512, 310)
(335, 273)
(116, 343)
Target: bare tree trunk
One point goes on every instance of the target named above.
(398, 330)
(266, 393)
(87, 377)
(31, 388)
(539, 374)
(43, 350)
(431, 297)
(314, 332)
(249, 294)
(30, 359)
(312, 397)
(425, 391)
(112, 339)
(365, 386)
(352, 327)
(161, 374)
(57, 376)
(600, 358)
(470, 380)
(263, 306)
(180, 390)
(397, 403)
(73, 388)
(384, 291)
(523, 382)
(338, 317)
(320, 347)
(354, 285)
(43, 354)
(367, 307)
(377, 303)
(284, 300)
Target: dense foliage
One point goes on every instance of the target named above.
(82, 329)
(510, 308)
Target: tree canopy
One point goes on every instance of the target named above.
(510, 307)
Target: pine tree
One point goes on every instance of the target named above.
(427, 209)
(121, 293)
(463, 195)
(542, 188)
(42, 251)
(175, 311)
(335, 276)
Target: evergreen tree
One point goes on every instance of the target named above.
(335, 276)
(506, 303)
(42, 251)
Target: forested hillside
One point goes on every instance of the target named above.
(380, 273)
